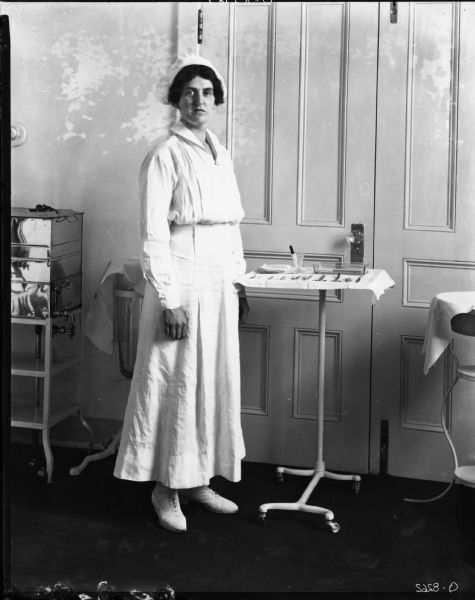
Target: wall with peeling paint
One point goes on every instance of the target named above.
(87, 83)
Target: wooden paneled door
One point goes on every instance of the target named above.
(337, 115)
(424, 229)
(300, 122)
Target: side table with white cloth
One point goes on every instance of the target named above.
(99, 324)
(113, 316)
(449, 313)
(375, 280)
(443, 308)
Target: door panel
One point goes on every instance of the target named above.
(424, 220)
(323, 111)
(300, 122)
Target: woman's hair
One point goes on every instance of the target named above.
(188, 73)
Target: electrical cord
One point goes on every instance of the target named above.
(444, 426)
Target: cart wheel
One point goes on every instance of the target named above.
(36, 464)
(41, 473)
(279, 477)
(356, 487)
(334, 526)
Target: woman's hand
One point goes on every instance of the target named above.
(176, 323)
(243, 309)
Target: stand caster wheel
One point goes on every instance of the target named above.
(334, 526)
(356, 487)
(41, 474)
(262, 518)
(279, 477)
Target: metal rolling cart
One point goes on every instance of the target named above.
(46, 260)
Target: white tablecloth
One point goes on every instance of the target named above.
(375, 280)
(438, 332)
(99, 322)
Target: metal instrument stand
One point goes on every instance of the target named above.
(319, 471)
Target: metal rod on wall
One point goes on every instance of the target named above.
(200, 30)
(393, 12)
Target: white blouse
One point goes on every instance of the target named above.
(181, 183)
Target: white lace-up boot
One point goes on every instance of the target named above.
(208, 498)
(167, 506)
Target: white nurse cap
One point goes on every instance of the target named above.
(194, 59)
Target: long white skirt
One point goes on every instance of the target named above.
(183, 422)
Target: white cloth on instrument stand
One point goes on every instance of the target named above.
(375, 280)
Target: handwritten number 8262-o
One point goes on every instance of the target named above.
(435, 587)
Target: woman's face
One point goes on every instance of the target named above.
(196, 104)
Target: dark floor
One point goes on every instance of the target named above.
(93, 528)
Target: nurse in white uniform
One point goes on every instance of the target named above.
(182, 424)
